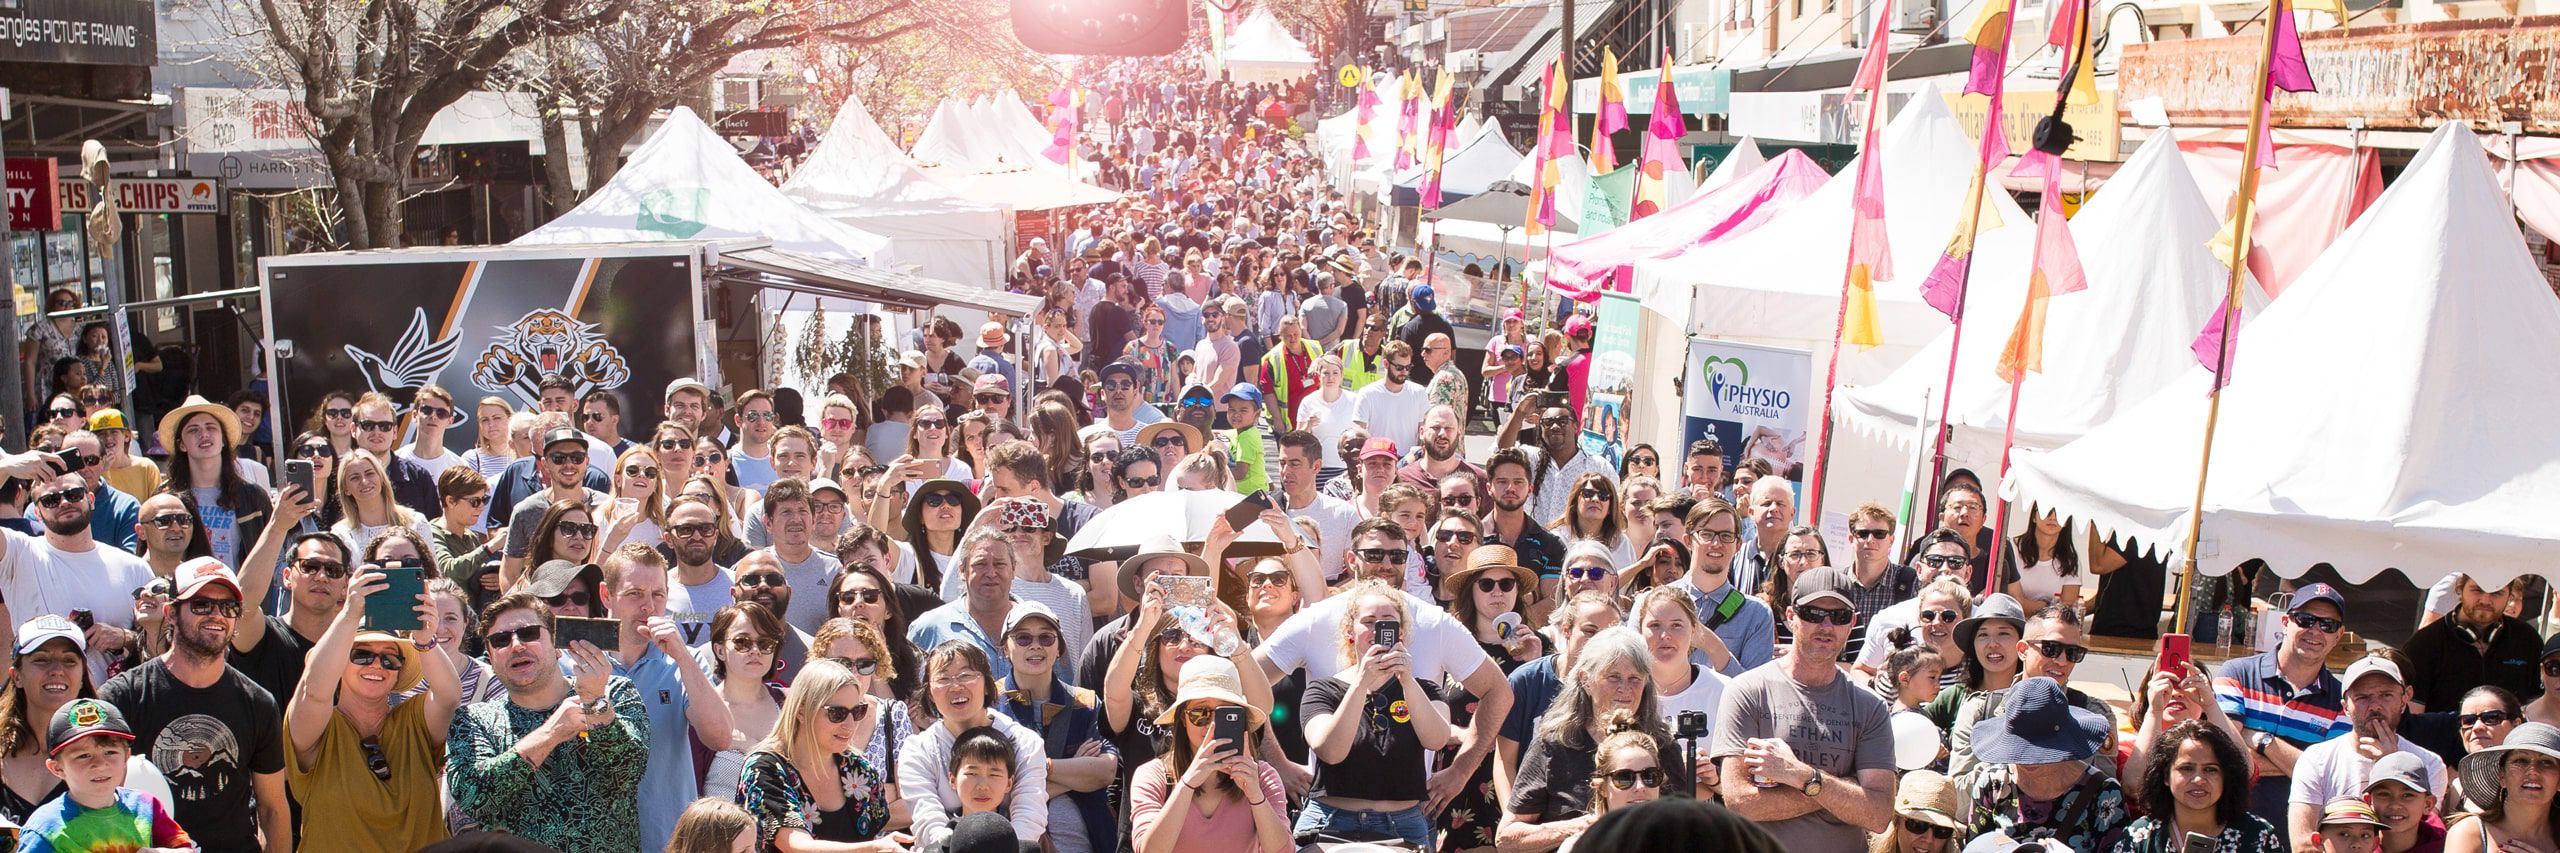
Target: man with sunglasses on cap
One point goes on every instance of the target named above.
(67, 569)
(2377, 697)
(216, 734)
(2286, 700)
(563, 462)
(1804, 752)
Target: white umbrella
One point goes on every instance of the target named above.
(1187, 515)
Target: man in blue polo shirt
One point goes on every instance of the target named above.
(653, 656)
(2286, 700)
(984, 564)
(1741, 632)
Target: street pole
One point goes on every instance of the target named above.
(13, 403)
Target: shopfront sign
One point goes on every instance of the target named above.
(34, 204)
(2402, 76)
(81, 32)
(257, 139)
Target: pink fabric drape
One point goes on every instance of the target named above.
(2302, 205)
(1582, 268)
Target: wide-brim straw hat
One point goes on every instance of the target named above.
(410, 671)
(2480, 769)
(198, 405)
(1489, 558)
(1160, 545)
(1209, 678)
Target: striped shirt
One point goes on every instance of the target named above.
(2254, 692)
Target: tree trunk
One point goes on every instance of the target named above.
(559, 194)
(605, 137)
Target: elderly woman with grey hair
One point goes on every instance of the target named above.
(1609, 689)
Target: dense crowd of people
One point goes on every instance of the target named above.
(854, 623)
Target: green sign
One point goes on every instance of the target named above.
(676, 213)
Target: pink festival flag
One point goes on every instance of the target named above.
(1870, 258)
(1945, 286)
(1612, 116)
(2286, 70)
(1409, 124)
(1435, 150)
(1360, 119)
(1661, 157)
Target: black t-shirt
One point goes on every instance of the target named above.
(276, 662)
(211, 743)
(1385, 762)
(1355, 298)
(2128, 602)
(1112, 325)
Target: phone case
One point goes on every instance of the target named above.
(394, 608)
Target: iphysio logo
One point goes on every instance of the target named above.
(1729, 385)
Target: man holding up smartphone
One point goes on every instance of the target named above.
(651, 653)
(67, 569)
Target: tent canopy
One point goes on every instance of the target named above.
(2152, 284)
(688, 183)
(1581, 269)
(1474, 165)
(858, 177)
(783, 269)
(1780, 284)
(1021, 189)
(1261, 51)
(2391, 410)
(1743, 160)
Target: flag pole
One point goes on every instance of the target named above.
(1955, 340)
(2245, 199)
(2000, 505)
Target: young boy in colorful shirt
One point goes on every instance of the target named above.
(98, 814)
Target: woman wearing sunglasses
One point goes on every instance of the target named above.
(2545, 708)
(746, 652)
(336, 418)
(367, 771)
(312, 447)
(638, 513)
(1930, 623)
(2487, 714)
(933, 521)
(1641, 461)
(1628, 771)
(1209, 794)
(840, 426)
(1081, 764)
(1596, 515)
(864, 650)
(1927, 816)
(566, 532)
(710, 460)
(863, 592)
(806, 784)
(1492, 585)
(671, 444)
(63, 413)
(2196, 782)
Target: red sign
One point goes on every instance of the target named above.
(33, 204)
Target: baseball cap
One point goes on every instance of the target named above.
(1119, 368)
(563, 435)
(1824, 582)
(1027, 609)
(196, 574)
(911, 359)
(2348, 810)
(2402, 767)
(1424, 299)
(1243, 391)
(1378, 446)
(1577, 326)
(2373, 665)
(2317, 592)
(992, 383)
(48, 628)
(106, 419)
(823, 484)
(85, 718)
(688, 383)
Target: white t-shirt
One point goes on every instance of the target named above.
(435, 465)
(1334, 519)
(1706, 688)
(1900, 614)
(1441, 646)
(2331, 769)
(2042, 580)
(691, 606)
(1329, 421)
(1396, 415)
(37, 579)
(255, 472)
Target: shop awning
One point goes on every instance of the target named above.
(783, 269)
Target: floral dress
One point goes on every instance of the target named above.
(2249, 834)
(1476, 811)
(773, 791)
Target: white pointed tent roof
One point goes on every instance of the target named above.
(686, 183)
(1780, 284)
(1261, 51)
(2152, 284)
(949, 138)
(859, 177)
(1745, 159)
(2393, 410)
(1467, 170)
(1020, 133)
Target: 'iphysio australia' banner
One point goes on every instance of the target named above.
(1752, 399)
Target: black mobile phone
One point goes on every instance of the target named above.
(83, 618)
(605, 634)
(395, 607)
(1228, 726)
(1389, 632)
(2198, 842)
(297, 472)
(72, 460)
(1248, 511)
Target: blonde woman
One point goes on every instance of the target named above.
(637, 515)
(839, 430)
(806, 784)
(491, 450)
(1628, 770)
(365, 506)
(860, 647)
(1369, 770)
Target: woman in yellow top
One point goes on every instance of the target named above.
(365, 770)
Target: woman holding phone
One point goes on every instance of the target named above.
(1369, 726)
(368, 771)
(638, 513)
(2196, 783)
(1209, 793)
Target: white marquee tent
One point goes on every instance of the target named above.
(2152, 284)
(1744, 159)
(857, 176)
(686, 183)
(1261, 51)
(2393, 410)
(1470, 166)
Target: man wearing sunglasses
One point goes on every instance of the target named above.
(378, 431)
(2287, 699)
(2052, 645)
(270, 648)
(675, 693)
(752, 459)
(212, 730)
(67, 569)
(1121, 408)
(559, 759)
(1875, 583)
(563, 463)
(529, 475)
(2479, 644)
(1392, 409)
(1820, 745)
(112, 512)
(432, 412)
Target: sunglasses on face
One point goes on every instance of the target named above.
(1145, 482)
(937, 500)
(573, 457)
(708, 460)
(1871, 533)
(933, 423)
(500, 640)
(98, 399)
(1595, 494)
(1942, 561)
(74, 494)
(2325, 624)
(66, 413)
(389, 661)
(646, 472)
(1458, 500)
(1455, 535)
(338, 414)
(752, 416)
(1643, 460)
(1916, 826)
(577, 597)
(227, 608)
(774, 581)
(672, 443)
(1650, 777)
(168, 520)
(323, 567)
(319, 451)
(592, 417)
(1197, 402)
(2551, 667)
(839, 714)
(835, 423)
(1201, 716)
(1497, 584)
(1587, 573)
(2060, 649)
(1038, 639)
(1935, 617)
(376, 426)
(1170, 441)
(2494, 718)
(1261, 579)
(858, 596)
(1827, 615)
(693, 530)
(438, 414)
(743, 645)
(578, 530)
(1381, 555)
(1118, 385)
(865, 666)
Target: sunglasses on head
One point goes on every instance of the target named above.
(1650, 777)
(2494, 718)
(1827, 615)
(2327, 625)
(1381, 555)
(1917, 826)
(839, 714)
(389, 661)
(2060, 649)
(74, 494)
(499, 640)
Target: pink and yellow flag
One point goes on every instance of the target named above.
(1436, 149)
(1555, 144)
(2057, 271)
(1409, 123)
(1612, 115)
(1661, 157)
(2287, 70)
(1870, 257)
(1945, 286)
(1361, 117)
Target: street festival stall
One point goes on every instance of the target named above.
(971, 151)
(858, 177)
(1261, 51)
(2152, 283)
(1474, 163)
(1744, 159)
(2391, 411)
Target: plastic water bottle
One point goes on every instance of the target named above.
(2223, 629)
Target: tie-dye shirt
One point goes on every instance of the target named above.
(137, 821)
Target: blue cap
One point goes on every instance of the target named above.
(1424, 299)
(1243, 391)
(2317, 592)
